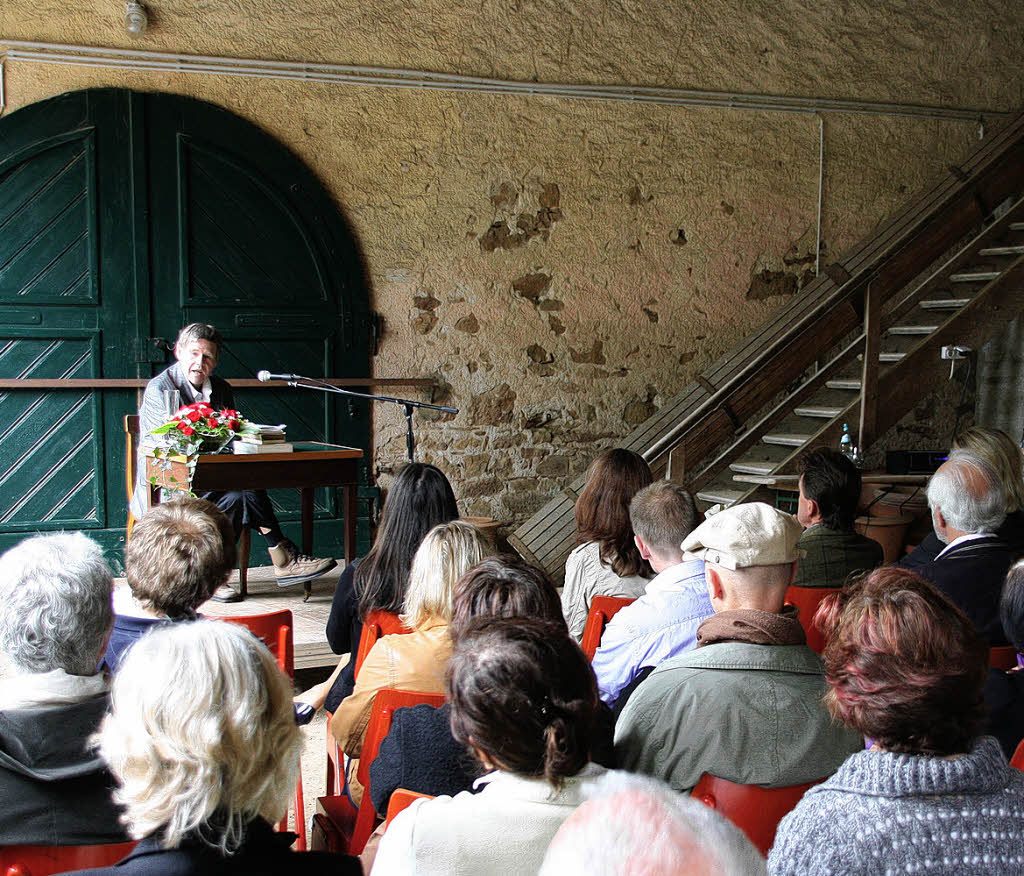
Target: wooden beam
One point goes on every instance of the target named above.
(869, 373)
(26, 383)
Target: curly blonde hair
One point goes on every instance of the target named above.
(201, 735)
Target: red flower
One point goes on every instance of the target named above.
(234, 425)
(187, 430)
(193, 416)
(211, 422)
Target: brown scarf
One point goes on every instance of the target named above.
(753, 626)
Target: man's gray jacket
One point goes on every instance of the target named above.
(751, 714)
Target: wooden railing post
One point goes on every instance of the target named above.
(676, 471)
(869, 373)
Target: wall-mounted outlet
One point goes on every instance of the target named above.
(956, 351)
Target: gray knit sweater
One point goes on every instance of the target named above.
(884, 813)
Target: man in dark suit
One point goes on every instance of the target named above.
(829, 493)
(967, 505)
(197, 350)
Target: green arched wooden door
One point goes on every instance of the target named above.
(123, 216)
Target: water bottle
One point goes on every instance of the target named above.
(846, 443)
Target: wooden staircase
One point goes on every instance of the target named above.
(860, 346)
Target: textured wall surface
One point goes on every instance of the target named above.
(563, 267)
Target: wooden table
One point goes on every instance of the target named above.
(312, 464)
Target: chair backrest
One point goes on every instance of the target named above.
(376, 625)
(602, 610)
(402, 799)
(275, 629)
(44, 860)
(131, 441)
(807, 599)
(1018, 756)
(1002, 657)
(755, 810)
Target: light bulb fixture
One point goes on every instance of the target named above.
(135, 18)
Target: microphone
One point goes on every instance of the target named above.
(264, 376)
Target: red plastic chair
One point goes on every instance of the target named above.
(807, 599)
(275, 630)
(338, 826)
(402, 799)
(377, 625)
(755, 810)
(44, 860)
(1017, 760)
(1002, 657)
(602, 610)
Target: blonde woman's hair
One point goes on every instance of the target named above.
(201, 723)
(448, 550)
(996, 448)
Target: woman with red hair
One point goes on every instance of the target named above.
(906, 668)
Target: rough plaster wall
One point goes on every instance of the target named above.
(564, 267)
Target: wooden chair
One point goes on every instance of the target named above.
(377, 625)
(1002, 657)
(1018, 756)
(402, 799)
(274, 629)
(755, 810)
(602, 610)
(338, 826)
(44, 860)
(807, 599)
(131, 444)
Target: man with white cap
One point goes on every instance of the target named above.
(745, 705)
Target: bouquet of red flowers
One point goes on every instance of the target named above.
(198, 427)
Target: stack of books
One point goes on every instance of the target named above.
(265, 439)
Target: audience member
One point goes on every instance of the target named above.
(203, 741)
(829, 494)
(420, 753)
(55, 591)
(745, 704)
(997, 449)
(606, 562)
(905, 667)
(967, 505)
(637, 826)
(178, 555)
(1004, 691)
(419, 499)
(417, 660)
(523, 699)
(663, 621)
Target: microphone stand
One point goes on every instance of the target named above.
(407, 404)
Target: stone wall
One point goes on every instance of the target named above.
(563, 267)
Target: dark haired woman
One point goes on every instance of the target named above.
(905, 667)
(1004, 691)
(419, 499)
(523, 701)
(606, 561)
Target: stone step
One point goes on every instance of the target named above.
(786, 439)
(756, 467)
(849, 383)
(820, 411)
(891, 357)
(974, 277)
(715, 495)
(944, 303)
(1002, 251)
(912, 329)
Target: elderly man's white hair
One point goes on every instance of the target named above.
(967, 491)
(632, 825)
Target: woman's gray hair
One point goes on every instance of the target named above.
(56, 597)
(953, 491)
(201, 735)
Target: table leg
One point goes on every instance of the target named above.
(307, 533)
(349, 494)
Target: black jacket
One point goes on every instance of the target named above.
(53, 790)
(263, 853)
(1011, 531)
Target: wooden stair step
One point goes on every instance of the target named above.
(1017, 226)
(891, 357)
(1002, 251)
(754, 467)
(974, 277)
(848, 383)
(944, 303)
(912, 329)
(786, 439)
(820, 411)
(714, 495)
